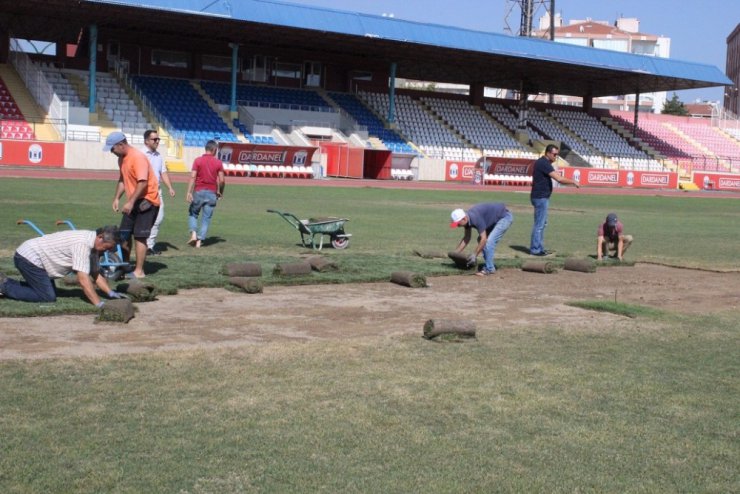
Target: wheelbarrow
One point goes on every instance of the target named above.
(112, 265)
(313, 230)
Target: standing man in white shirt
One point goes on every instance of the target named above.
(151, 141)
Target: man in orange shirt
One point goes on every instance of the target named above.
(140, 210)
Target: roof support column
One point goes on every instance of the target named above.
(93, 66)
(588, 102)
(392, 95)
(477, 91)
(637, 107)
(234, 68)
(521, 124)
(4, 46)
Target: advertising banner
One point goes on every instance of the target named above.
(265, 154)
(465, 171)
(718, 181)
(509, 166)
(601, 177)
(459, 171)
(31, 153)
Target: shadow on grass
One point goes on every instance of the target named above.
(165, 246)
(212, 241)
(520, 248)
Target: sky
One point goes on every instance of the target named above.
(698, 28)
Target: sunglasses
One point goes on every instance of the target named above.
(155, 139)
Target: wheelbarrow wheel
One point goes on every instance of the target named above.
(340, 242)
(110, 272)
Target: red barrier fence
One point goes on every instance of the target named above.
(31, 153)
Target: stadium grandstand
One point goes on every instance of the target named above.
(310, 92)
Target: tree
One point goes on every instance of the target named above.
(674, 106)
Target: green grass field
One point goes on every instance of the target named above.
(537, 410)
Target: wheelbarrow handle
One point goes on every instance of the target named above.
(30, 224)
(65, 222)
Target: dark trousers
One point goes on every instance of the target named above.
(37, 287)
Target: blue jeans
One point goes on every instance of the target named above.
(202, 200)
(37, 287)
(498, 231)
(540, 222)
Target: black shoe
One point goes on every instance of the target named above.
(543, 253)
(153, 252)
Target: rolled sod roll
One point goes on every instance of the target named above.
(459, 258)
(138, 291)
(322, 264)
(429, 254)
(292, 269)
(582, 265)
(538, 267)
(408, 278)
(460, 328)
(249, 285)
(242, 269)
(118, 310)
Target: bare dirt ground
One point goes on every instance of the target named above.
(512, 299)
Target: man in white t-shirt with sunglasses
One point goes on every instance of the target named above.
(151, 141)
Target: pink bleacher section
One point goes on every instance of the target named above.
(672, 137)
(12, 123)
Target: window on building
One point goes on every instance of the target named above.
(216, 63)
(286, 70)
(165, 58)
(34, 46)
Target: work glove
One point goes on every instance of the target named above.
(114, 294)
(472, 260)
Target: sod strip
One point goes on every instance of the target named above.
(321, 264)
(582, 265)
(248, 285)
(408, 278)
(538, 267)
(119, 310)
(460, 259)
(462, 328)
(292, 269)
(242, 269)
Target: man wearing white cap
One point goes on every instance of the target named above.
(491, 220)
(610, 236)
(140, 210)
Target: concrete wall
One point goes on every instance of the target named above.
(89, 156)
(431, 169)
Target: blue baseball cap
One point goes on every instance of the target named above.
(113, 139)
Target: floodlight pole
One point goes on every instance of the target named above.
(234, 67)
(551, 97)
(525, 23)
(93, 45)
(392, 95)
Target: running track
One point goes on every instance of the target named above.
(112, 175)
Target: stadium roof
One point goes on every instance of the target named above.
(421, 51)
